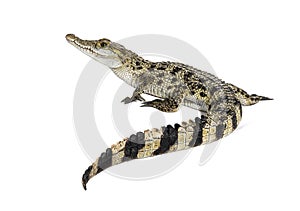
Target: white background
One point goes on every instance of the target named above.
(253, 44)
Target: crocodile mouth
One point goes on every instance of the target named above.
(86, 46)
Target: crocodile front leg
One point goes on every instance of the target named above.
(144, 81)
(135, 96)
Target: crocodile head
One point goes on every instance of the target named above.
(113, 55)
(104, 51)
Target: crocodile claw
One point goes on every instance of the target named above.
(128, 100)
(151, 103)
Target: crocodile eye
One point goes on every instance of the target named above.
(101, 44)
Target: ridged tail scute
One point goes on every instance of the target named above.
(133, 145)
(168, 139)
(197, 137)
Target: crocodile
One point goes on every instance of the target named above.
(173, 84)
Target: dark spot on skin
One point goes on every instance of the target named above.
(202, 94)
(240, 108)
(201, 124)
(175, 70)
(169, 138)
(193, 82)
(195, 134)
(139, 67)
(163, 65)
(153, 65)
(234, 121)
(137, 63)
(236, 102)
(134, 152)
(127, 152)
(219, 131)
(99, 170)
(194, 86)
(132, 145)
(169, 87)
(187, 76)
(161, 68)
(174, 80)
(209, 107)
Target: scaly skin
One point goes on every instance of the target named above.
(175, 84)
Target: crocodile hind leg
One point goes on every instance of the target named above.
(166, 105)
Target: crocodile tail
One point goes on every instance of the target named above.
(245, 98)
(140, 145)
(164, 140)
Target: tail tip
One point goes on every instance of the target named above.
(266, 98)
(86, 177)
(84, 185)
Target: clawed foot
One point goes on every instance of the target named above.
(128, 100)
(166, 105)
(152, 103)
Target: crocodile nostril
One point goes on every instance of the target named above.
(70, 37)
